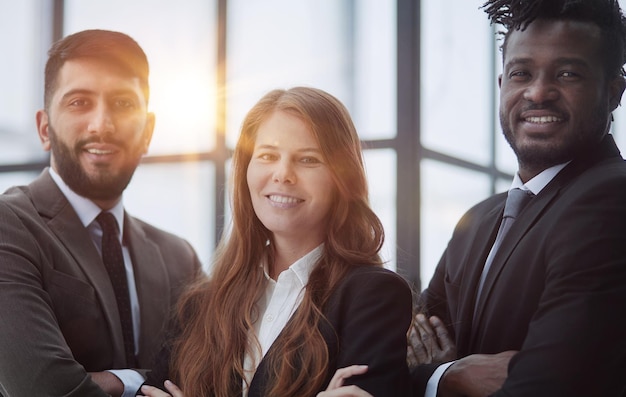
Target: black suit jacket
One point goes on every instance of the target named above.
(368, 318)
(556, 290)
(58, 314)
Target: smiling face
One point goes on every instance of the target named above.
(290, 185)
(555, 97)
(97, 128)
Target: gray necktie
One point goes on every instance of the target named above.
(516, 200)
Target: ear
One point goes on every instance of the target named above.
(500, 81)
(148, 131)
(616, 89)
(43, 122)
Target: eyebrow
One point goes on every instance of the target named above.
(86, 92)
(274, 147)
(558, 61)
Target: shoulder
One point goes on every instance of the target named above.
(365, 282)
(153, 233)
(374, 273)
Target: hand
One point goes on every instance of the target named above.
(335, 387)
(150, 391)
(429, 342)
(477, 375)
(108, 382)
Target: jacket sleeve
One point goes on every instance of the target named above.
(34, 357)
(372, 312)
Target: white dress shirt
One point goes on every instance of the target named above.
(87, 211)
(535, 185)
(280, 300)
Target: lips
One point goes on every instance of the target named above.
(284, 200)
(543, 119)
(100, 148)
(99, 151)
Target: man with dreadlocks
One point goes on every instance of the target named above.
(543, 314)
(554, 291)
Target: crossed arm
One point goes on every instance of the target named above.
(476, 375)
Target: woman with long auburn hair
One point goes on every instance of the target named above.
(297, 288)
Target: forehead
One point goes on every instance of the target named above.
(95, 77)
(282, 128)
(553, 39)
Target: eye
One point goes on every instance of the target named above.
(124, 103)
(266, 156)
(519, 75)
(569, 75)
(310, 160)
(79, 102)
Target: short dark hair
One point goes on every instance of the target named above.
(606, 14)
(115, 48)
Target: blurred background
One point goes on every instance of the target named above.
(419, 78)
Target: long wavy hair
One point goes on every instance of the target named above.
(218, 311)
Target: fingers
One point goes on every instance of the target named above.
(427, 338)
(416, 352)
(343, 373)
(447, 346)
(345, 391)
(429, 342)
(150, 391)
(173, 389)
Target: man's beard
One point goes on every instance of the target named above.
(104, 186)
(541, 157)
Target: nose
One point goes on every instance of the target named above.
(284, 172)
(101, 121)
(541, 90)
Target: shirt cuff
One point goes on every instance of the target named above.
(433, 382)
(132, 381)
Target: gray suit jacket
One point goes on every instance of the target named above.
(58, 315)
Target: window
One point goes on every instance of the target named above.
(419, 78)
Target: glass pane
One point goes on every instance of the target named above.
(178, 198)
(374, 100)
(344, 47)
(505, 158)
(381, 175)
(619, 127)
(23, 41)
(456, 79)
(181, 47)
(447, 193)
(8, 179)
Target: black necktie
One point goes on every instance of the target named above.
(114, 263)
(516, 200)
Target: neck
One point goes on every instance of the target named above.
(286, 252)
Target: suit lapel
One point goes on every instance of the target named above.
(534, 210)
(65, 224)
(152, 282)
(522, 224)
(475, 261)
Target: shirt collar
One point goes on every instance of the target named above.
(86, 209)
(538, 182)
(303, 267)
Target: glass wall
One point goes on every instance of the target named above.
(428, 122)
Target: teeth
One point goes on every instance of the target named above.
(284, 199)
(543, 119)
(98, 151)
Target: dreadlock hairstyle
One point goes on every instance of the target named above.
(218, 312)
(606, 14)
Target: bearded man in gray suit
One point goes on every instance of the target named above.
(61, 331)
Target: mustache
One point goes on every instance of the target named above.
(107, 139)
(543, 106)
